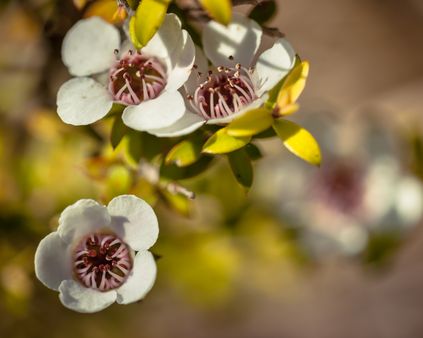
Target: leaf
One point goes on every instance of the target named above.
(176, 173)
(185, 153)
(147, 20)
(251, 123)
(219, 10)
(177, 202)
(263, 11)
(268, 133)
(107, 10)
(242, 167)
(298, 141)
(253, 152)
(144, 145)
(222, 143)
(119, 130)
(292, 87)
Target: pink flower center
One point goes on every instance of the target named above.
(136, 78)
(224, 93)
(102, 261)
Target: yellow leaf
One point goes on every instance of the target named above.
(251, 123)
(185, 153)
(298, 141)
(107, 10)
(292, 88)
(222, 143)
(148, 18)
(219, 10)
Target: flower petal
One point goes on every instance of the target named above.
(82, 218)
(82, 101)
(168, 42)
(78, 298)
(140, 282)
(134, 220)
(274, 64)
(183, 67)
(224, 120)
(240, 39)
(52, 261)
(88, 47)
(199, 74)
(160, 112)
(188, 123)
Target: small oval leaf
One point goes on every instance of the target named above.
(251, 123)
(263, 11)
(222, 143)
(219, 10)
(242, 167)
(185, 153)
(148, 18)
(119, 130)
(298, 141)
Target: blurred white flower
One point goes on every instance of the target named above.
(99, 254)
(361, 187)
(147, 81)
(236, 83)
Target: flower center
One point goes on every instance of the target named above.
(102, 261)
(136, 78)
(342, 186)
(224, 93)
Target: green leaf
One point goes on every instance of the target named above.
(253, 152)
(119, 130)
(177, 202)
(144, 145)
(219, 10)
(185, 153)
(298, 141)
(242, 167)
(251, 123)
(147, 20)
(222, 143)
(268, 133)
(173, 172)
(263, 11)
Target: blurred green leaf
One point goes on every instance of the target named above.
(219, 10)
(263, 11)
(147, 20)
(177, 202)
(222, 143)
(242, 167)
(266, 134)
(298, 141)
(144, 145)
(251, 123)
(119, 129)
(185, 153)
(173, 172)
(253, 151)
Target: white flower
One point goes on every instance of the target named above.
(234, 85)
(99, 254)
(147, 82)
(361, 188)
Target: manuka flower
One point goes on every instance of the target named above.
(361, 190)
(235, 84)
(146, 82)
(99, 255)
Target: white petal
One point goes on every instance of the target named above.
(88, 47)
(134, 220)
(157, 113)
(76, 297)
(81, 218)
(140, 282)
(274, 64)
(188, 123)
(82, 101)
(52, 261)
(168, 42)
(240, 39)
(183, 67)
(224, 120)
(198, 75)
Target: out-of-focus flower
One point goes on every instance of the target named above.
(234, 85)
(146, 82)
(99, 255)
(360, 190)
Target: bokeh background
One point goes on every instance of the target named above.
(322, 253)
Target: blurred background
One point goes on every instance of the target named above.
(329, 252)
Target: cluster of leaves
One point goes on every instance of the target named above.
(186, 157)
